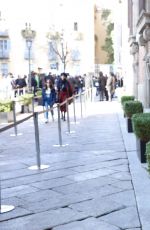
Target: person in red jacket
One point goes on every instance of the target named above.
(65, 91)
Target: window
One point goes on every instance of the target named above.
(4, 48)
(75, 26)
(4, 68)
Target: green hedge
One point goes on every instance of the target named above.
(141, 126)
(6, 105)
(127, 98)
(26, 99)
(132, 107)
(148, 155)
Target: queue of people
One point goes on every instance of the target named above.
(106, 86)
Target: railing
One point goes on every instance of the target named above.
(87, 96)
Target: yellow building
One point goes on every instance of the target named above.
(100, 35)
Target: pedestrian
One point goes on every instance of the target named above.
(102, 85)
(65, 90)
(110, 85)
(49, 98)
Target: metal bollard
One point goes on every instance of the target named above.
(14, 116)
(33, 105)
(68, 118)
(59, 125)
(81, 105)
(37, 141)
(74, 109)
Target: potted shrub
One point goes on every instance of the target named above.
(26, 102)
(6, 111)
(141, 128)
(148, 155)
(130, 108)
(126, 98)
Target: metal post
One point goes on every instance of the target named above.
(59, 125)
(74, 109)
(33, 105)
(14, 116)
(37, 141)
(68, 118)
(81, 104)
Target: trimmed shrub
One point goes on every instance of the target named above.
(141, 126)
(127, 98)
(132, 107)
(26, 99)
(6, 105)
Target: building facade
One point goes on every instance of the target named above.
(139, 41)
(22, 51)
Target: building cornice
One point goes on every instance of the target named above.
(143, 22)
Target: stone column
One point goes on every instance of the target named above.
(134, 50)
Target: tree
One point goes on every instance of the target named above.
(59, 46)
(108, 46)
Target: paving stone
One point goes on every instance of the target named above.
(87, 185)
(97, 207)
(88, 224)
(126, 198)
(17, 212)
(47, 184)
(125, 218)
(126, 185)
(14, 191)
(44, 220)
(123, 176)
(39, 176)
(91, 174)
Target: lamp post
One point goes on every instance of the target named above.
(29, 35)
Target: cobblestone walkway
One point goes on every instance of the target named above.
(88, 185)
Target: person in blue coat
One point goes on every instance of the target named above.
(49, 98)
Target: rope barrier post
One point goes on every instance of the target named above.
(37, 143)
(14, 116)
(4, 208)
(59, 125)
(33, 105)
(74, 109)
(81, 105)
(68, 118)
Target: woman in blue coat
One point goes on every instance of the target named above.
(49, 98)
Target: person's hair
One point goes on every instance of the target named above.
(50, 84)
(64, 74)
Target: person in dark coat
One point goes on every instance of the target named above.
(49, 98)
(65, 90)
(102, 85)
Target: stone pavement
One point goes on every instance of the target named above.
(94, 181)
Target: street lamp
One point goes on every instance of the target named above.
(29, 35)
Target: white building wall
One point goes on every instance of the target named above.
(42, 16)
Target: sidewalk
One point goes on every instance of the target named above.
(94, 182)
